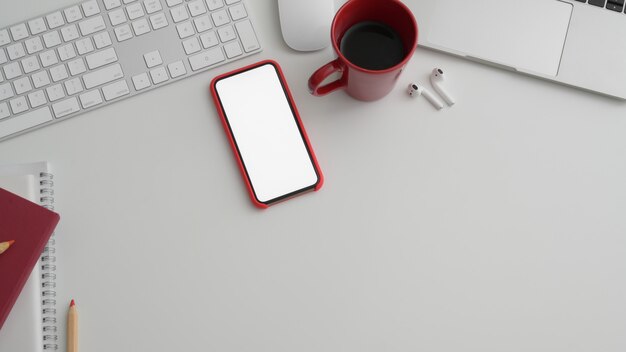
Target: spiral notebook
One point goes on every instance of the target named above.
(32, 325)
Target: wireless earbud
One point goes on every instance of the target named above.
(436, 79)
(416, 90)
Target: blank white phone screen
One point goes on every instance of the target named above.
(266, 133)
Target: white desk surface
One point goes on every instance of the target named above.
(495, 225)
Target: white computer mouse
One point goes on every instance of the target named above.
(306, 23)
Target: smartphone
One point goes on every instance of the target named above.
(266, 134)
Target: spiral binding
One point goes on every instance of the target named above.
(48, 268)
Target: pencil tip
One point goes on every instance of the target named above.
(72, 303)
(11, 242)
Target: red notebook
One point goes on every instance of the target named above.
(30, 225)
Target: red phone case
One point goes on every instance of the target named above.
(233, 144)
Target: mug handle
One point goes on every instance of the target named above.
(322, 73)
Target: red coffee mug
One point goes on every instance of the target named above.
(361, 83)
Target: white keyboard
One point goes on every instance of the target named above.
(98, 52)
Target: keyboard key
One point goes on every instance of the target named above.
(102, 40)
(55, 20)
(51, 39)
(115, 90)
(33, 45)
(206, 59)
(597, 2)
(92, 25)
(179, 14)
(84, 46)
(171, 3)
(226, 34)
(209, 39)
(22, 85)
(69, 33)
(141, 26)
(102, 76)
(22, 122)
(152, 6)
(134, 11)
(191, 46)
(40, 79)
(55, 92)
(203, 23)
(37, 26)
(6, 91)
(247, 36)
(73, 14)
(232, 50)
(128, 1)
(12, 70)
(101, 58)
(177, 69)
(76, 67)
(16, 51)
(66, 52)
(19, 32)
(185, 30)
(238, 12)
(141, 81)
(159, 75)
(152, 58)
(196, 8)
(91, 8)
(158, 21)
(30, 64)
(112, 4)
(117, 17)
(230, 2)
(73, 86)
(220, 18)
(3, 57)
(4, 37)
(65, 107)
(58, 73)
(123, 33)
(615, 5)
(4, 110)
(215, 4)
(48, 58)
(37, 98)
(18, 105)
(90, 99)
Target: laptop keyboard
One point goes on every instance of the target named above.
(613, 5)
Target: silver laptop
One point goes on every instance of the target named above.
(581, 43)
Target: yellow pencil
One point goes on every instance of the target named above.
(72, 328)
(5, 245)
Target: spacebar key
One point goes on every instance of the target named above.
(206, 59)
(102, 76)
(24, 121)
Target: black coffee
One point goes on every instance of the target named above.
(372, 45)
